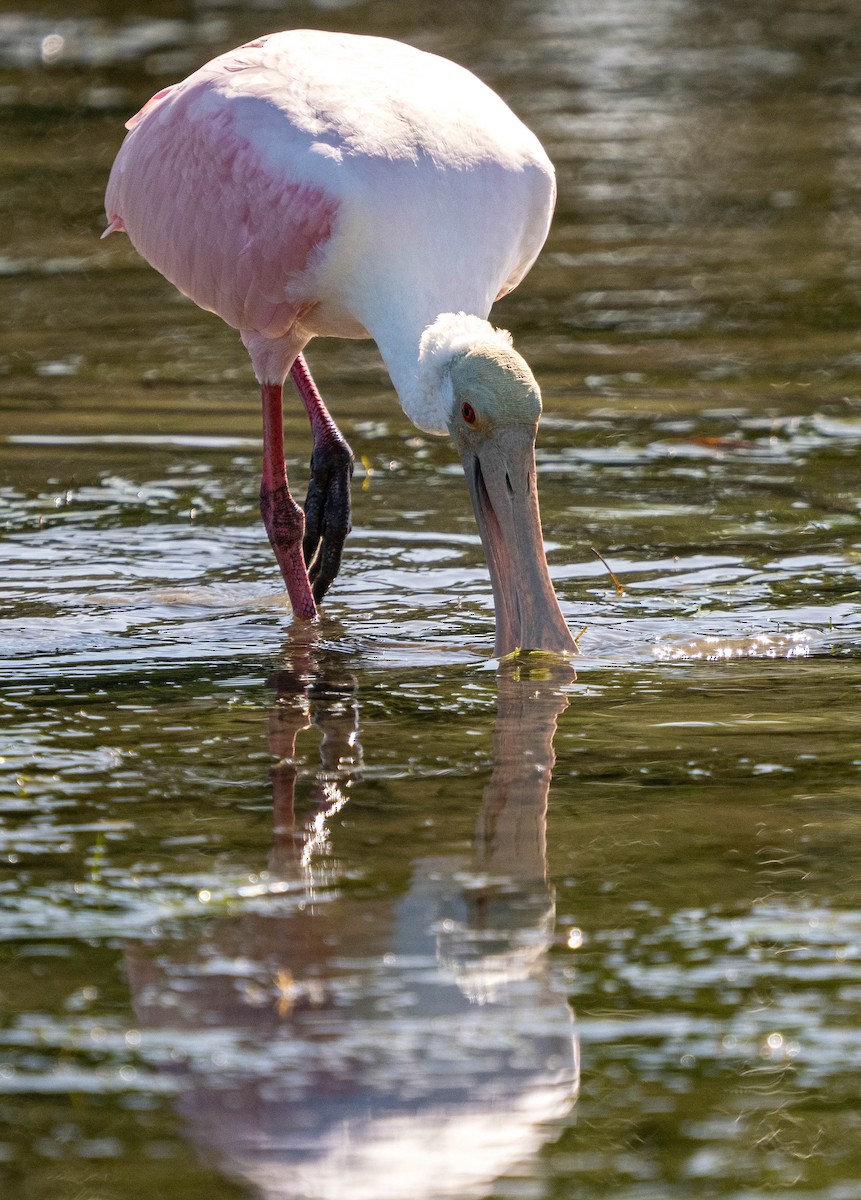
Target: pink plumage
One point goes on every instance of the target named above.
(353, 185)
(313, 184)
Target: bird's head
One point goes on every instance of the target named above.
(495, 405)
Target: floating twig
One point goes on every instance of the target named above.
(620, 591)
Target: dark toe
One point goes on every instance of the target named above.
(327, 513)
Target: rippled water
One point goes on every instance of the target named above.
(350, 911)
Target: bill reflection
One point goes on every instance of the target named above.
(376, 1048)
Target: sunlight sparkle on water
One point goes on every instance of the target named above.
(723, 649)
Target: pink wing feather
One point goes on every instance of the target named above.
(194, 194)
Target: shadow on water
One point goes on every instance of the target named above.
(414, 1046)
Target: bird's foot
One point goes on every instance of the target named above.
(285, 525)
(327, 510)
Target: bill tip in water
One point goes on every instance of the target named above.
(539, 666)
(537, 656)
(520, 655)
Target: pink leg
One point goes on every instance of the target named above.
(282, 516)
(327, 505)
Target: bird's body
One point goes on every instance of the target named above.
(315, 184)
(299, 188)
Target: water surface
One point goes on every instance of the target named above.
(518, 932)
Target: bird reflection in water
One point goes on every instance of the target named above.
(377, 1047)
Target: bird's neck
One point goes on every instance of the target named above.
(418, 356)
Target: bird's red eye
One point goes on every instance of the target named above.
(468, 413)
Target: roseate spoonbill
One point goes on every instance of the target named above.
(318, 184)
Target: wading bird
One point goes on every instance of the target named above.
(315, 184)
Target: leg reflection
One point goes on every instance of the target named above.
(307, 696)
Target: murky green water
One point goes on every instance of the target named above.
(291, 914)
